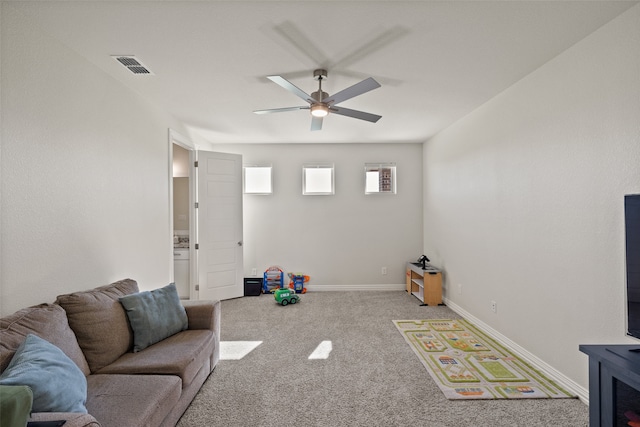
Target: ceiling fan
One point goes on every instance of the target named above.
(321, 104)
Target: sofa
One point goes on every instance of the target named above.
(125, 385)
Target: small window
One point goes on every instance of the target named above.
(317, 180)
(257, 179)
(380, 178)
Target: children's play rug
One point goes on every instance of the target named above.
(467, 364)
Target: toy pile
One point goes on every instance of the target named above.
(297, 282)
(273, 280)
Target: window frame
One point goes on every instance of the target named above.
(257, 166)
(378, 167)
(316, 166)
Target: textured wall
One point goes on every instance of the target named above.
(524, 199)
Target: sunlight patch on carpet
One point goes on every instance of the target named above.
(236, 350)
(468, 364)
(322, 351)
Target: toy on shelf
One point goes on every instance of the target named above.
(297, 282)
(285, 296)
(273, 280)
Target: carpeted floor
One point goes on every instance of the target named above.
(370, 378)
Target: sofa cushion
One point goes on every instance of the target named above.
(49, 322)
(57, 383)
(132, 400)
(99, 321)
(72, 419)
(154, 315)
(182, 354)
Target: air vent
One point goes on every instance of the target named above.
(132, 64)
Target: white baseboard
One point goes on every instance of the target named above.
(554, 374)
(376, 287)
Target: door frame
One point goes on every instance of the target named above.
(175, 138)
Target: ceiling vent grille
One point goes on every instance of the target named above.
(133, 64)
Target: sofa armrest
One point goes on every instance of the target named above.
(73, 419)
(203, 315)
(206, 315)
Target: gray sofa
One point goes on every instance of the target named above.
(152, 387)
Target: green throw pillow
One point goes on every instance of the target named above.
(154, 315)
(57, 383)
(15, 405)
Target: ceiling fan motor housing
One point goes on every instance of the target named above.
(319, 95)
(320, 74)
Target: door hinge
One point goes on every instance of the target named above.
(197, 287)
(197, 246)
(195, 205)
(195, 164)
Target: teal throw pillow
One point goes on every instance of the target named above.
(57, 383)
(154, 315)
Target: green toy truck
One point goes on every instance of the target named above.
(286, 296)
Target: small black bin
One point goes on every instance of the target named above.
(252, 286)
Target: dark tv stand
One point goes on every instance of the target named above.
(609, 364)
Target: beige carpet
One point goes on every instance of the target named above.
(369, 378)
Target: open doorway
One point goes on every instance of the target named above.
(213, 220)
(181, 184)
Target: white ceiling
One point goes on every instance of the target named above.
(436, 60)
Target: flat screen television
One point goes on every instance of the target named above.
(632, 234)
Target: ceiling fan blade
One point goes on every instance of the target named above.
(316, 123)
(280, 110)
(368, 48)
(355, 114)
(383, 80)
(303, 44)
(352, 91)
(291, 88)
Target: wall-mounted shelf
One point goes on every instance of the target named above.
(425, 284)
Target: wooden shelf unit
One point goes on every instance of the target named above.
(426, 285)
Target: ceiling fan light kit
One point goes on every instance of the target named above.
(319, 110)
(320, 103)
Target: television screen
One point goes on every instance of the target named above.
(632, 234)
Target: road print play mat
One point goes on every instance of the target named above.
(467, 364)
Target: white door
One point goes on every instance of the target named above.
(219, 234)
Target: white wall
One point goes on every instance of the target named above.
(84, 174)
(524, 200)
(341, 241)
(84, 183)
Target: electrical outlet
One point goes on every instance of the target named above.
(460, 288)
(384, 271)
(254, 272)
(494, 306)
